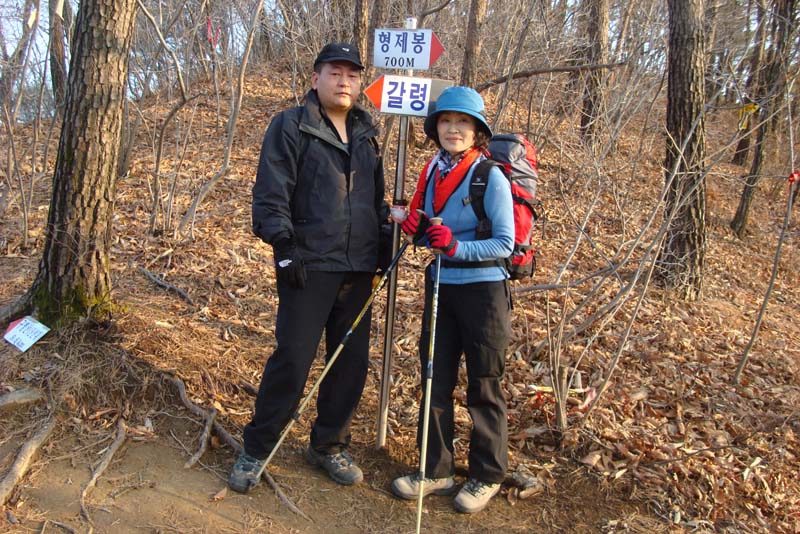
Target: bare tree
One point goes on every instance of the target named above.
(682, 256)
(74, 277)
(597, 53)
(772, 87)
(751, 89)
(472, 50)
(58, 61)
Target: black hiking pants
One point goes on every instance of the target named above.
(330, 301)
(474, 320)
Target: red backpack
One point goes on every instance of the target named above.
(516, 157)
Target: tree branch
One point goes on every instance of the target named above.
(533, 72)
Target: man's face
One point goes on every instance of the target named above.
(338, 85)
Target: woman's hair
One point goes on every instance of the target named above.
(481, 136)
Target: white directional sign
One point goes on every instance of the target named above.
(405, 95)
(406, 49)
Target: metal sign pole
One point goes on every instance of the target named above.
(391, 297)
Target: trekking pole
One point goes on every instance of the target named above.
(336, 353)
(423, 453)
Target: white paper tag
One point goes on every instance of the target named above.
(24, 332)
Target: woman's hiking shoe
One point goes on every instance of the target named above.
(407, 487)
(246, 473)
(340, 466)
(475, 495)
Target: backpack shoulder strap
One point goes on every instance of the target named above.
(477, 187)
(424, 180)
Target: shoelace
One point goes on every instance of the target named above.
(342, 459)
(476, 487)
(249, 463)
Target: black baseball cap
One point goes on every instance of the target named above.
(339, 52)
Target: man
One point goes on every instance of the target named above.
(318, 200)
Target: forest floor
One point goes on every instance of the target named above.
(671, 446)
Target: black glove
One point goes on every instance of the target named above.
(422, 228)
(289, 266)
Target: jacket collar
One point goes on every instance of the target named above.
(312, 122)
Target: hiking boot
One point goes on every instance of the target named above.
(475, 495)
(407, 487)
(340, 466)
(246, 473)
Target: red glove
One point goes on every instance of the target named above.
(409, 226)
(441, 237)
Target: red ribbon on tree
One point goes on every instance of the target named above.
(794, 177)
(213, 38)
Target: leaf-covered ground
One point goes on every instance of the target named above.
(671, 445)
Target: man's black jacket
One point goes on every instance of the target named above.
(326, 194)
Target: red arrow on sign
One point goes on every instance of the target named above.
(375, 91)
(436, 48)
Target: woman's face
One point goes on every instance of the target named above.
(456, 131)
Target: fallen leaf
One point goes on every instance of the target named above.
(221, 494)
(592, 458)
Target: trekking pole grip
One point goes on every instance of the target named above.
(436, 221)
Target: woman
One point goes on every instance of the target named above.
(474, 302)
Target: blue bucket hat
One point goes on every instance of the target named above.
(461, 99)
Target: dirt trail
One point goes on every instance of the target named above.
(146, 489)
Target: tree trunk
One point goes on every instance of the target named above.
(712, 76)
(622, 35)
(74, 278)
(361, 29)
(593, 101)
(681, 259)
(751, 86)
(376, 21)
(472, 49)
(739, 222)
(58, 61)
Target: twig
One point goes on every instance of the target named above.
(166, 285)
(20, 397)
(212, 416)
(112, 449)
(22, 462)
(232, 443)
(63, 526)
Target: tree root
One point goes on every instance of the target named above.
(210, 418)
(15, 309)
(166, 285)
(232, 443)
(20, 397)
(120, 439)
(23, 460)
